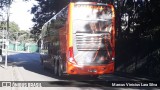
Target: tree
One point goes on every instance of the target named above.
(5, 3)
(19, 36)
(13, 27)
(44, 11)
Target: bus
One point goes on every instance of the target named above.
(80, 40)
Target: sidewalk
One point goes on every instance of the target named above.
(6, 74)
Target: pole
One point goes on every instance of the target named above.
(6, 46)
(3, 40)
(16, 41)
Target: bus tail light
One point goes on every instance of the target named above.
(71, 56)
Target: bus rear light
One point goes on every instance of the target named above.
(71, 52)
(71, 56)
(72, 71)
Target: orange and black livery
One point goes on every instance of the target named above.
(80, 40)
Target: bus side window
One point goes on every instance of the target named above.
(48, 29)
(50, 46)
(61, 18)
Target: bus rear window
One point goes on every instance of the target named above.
(92, 12)
(92, 19)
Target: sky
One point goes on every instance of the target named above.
(20, 13)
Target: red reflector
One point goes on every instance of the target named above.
(71, 52)
(72, 71)
(71, 56)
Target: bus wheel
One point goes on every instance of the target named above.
(43, 65)
(41, 59)
(60, 70)
(55, 68)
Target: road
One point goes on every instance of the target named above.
(27, 67)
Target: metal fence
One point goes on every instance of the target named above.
(28, 47)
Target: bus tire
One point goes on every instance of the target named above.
(55, 68)
(41, 60)
(60, 69)
(43, 64)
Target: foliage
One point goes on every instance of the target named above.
(138, 43)
(13, 27)
(143, 15)
(5, 3)
(44, 11)
(19, 36)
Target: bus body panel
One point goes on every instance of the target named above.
(90, 70)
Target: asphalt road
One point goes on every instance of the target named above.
(27, 67)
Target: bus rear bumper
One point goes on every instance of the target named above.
(90, 70)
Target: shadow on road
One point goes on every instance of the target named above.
(31, 62)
